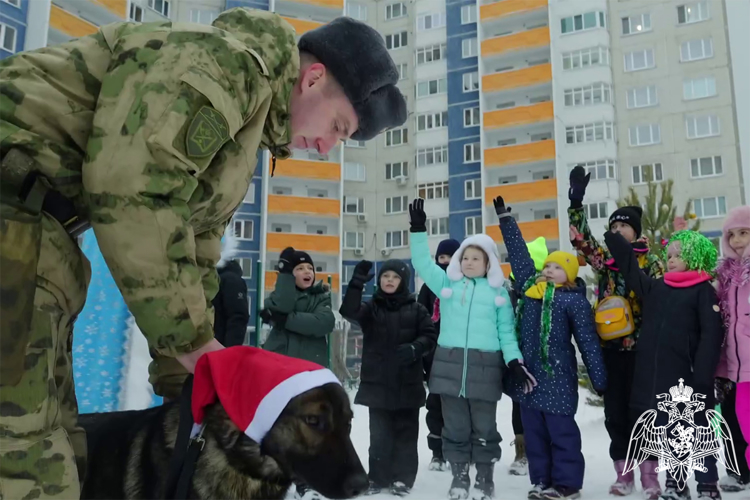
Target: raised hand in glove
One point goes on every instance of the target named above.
(406, 354)
(417, 216)
(522, 376)
(361, 274)
(265, 316)
(285, 260)
(500, 208)
(579, 179)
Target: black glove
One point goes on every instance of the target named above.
(522, 376)
(417, 216)
(265, 316)
(579, 179)
(722, 387)
(500, 208)
(285, 261)
(278, 320)
(361, 274)
(406, 354)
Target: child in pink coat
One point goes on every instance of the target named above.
(734, 297)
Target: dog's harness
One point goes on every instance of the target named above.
(187, 448)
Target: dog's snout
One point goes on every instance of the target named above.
(355, 484)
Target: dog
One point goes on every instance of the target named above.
(129, 452)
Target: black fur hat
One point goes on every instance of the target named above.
(356, 56)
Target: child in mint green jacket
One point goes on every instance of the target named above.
(476, 334)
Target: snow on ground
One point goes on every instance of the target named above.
(432, 485)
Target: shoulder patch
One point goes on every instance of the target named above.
(208, 132)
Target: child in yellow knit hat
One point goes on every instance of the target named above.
(560, 268)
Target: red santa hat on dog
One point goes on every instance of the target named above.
(253, 385)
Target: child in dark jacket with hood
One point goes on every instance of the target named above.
(552, 308)
(686, 346)
(619, 352)
(397, 333)
(434, 418)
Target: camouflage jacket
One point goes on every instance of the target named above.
(610, 281)
(153, 130)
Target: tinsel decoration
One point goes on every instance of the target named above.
(549, 295)
(697, 251)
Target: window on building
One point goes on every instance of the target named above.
(432, 156)
(596, 210)
(644, 135)
(700, 126)
(639, 60)
(396, 40)
(354, 172)
(468, 14)
(430, 53)
(430, 21)
(396, 170)
(469, 47)
(395, 11)
(246, 263)
(584, 58)
(437, 226)
(433, 190)
(14, 3)
(356, 11)
(348, 272)
(351, 143)
(640, 23)
(597, 93)
(353, 240)
(589, 132)
(396, 204)
(397, 239)
(431, 121)
(707, 166)
(692, 12)
(699, 88)
(695, 50)
(428, 88)
(243, 229)
(581, 22)
(402, 71)
(471, 81)
(642, 97)
(136, 13)
(396, 137)
(706, 208)
(473, 225)
(8, 37)
(471, 117)
(250, 194)
(472, 152)
(473, 189)
(653, 172)
(160, 6)
(203, 16)
(599, 169)
(354, 205)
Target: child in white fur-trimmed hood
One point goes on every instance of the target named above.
(476, 333)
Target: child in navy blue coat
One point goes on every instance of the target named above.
(551, 309)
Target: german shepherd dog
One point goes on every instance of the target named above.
(129, 452)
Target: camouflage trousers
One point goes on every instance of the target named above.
(42, 451)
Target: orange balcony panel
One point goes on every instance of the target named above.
(329, 4)
(319, 243)
(302, 26)
(270, 280)
(118, 7)
(523, 192)
(509, 7)
(526, 77)
(530, 39)
(520, 115)
(520, 154)
(71, 25)
(309, 169)
(322, 207)
(530, 230)
(506, 269)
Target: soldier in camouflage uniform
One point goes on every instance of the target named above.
(148, 132)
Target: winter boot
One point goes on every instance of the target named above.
(373, 489)
(732, 483)
(399, 489)
(537, 492)
(438, 463)
(484, 486)
(624, 484)
(650, 480)
(520, 465)
(461, 481)
(561, 493)
(672, 491)
(708, 491)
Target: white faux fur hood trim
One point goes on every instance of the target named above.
(495, 275)
(229, 247)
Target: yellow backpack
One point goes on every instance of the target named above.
(614, 318)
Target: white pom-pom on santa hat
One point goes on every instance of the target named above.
(446, 293)
(253, 385)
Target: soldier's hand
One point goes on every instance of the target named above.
(189, 360)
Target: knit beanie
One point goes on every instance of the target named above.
(538, 251)
(630, 216)
(568, 262)
(736, 218)
(397, 266)
(446, 247)
(301, 257)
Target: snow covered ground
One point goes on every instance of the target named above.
(431, 485)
